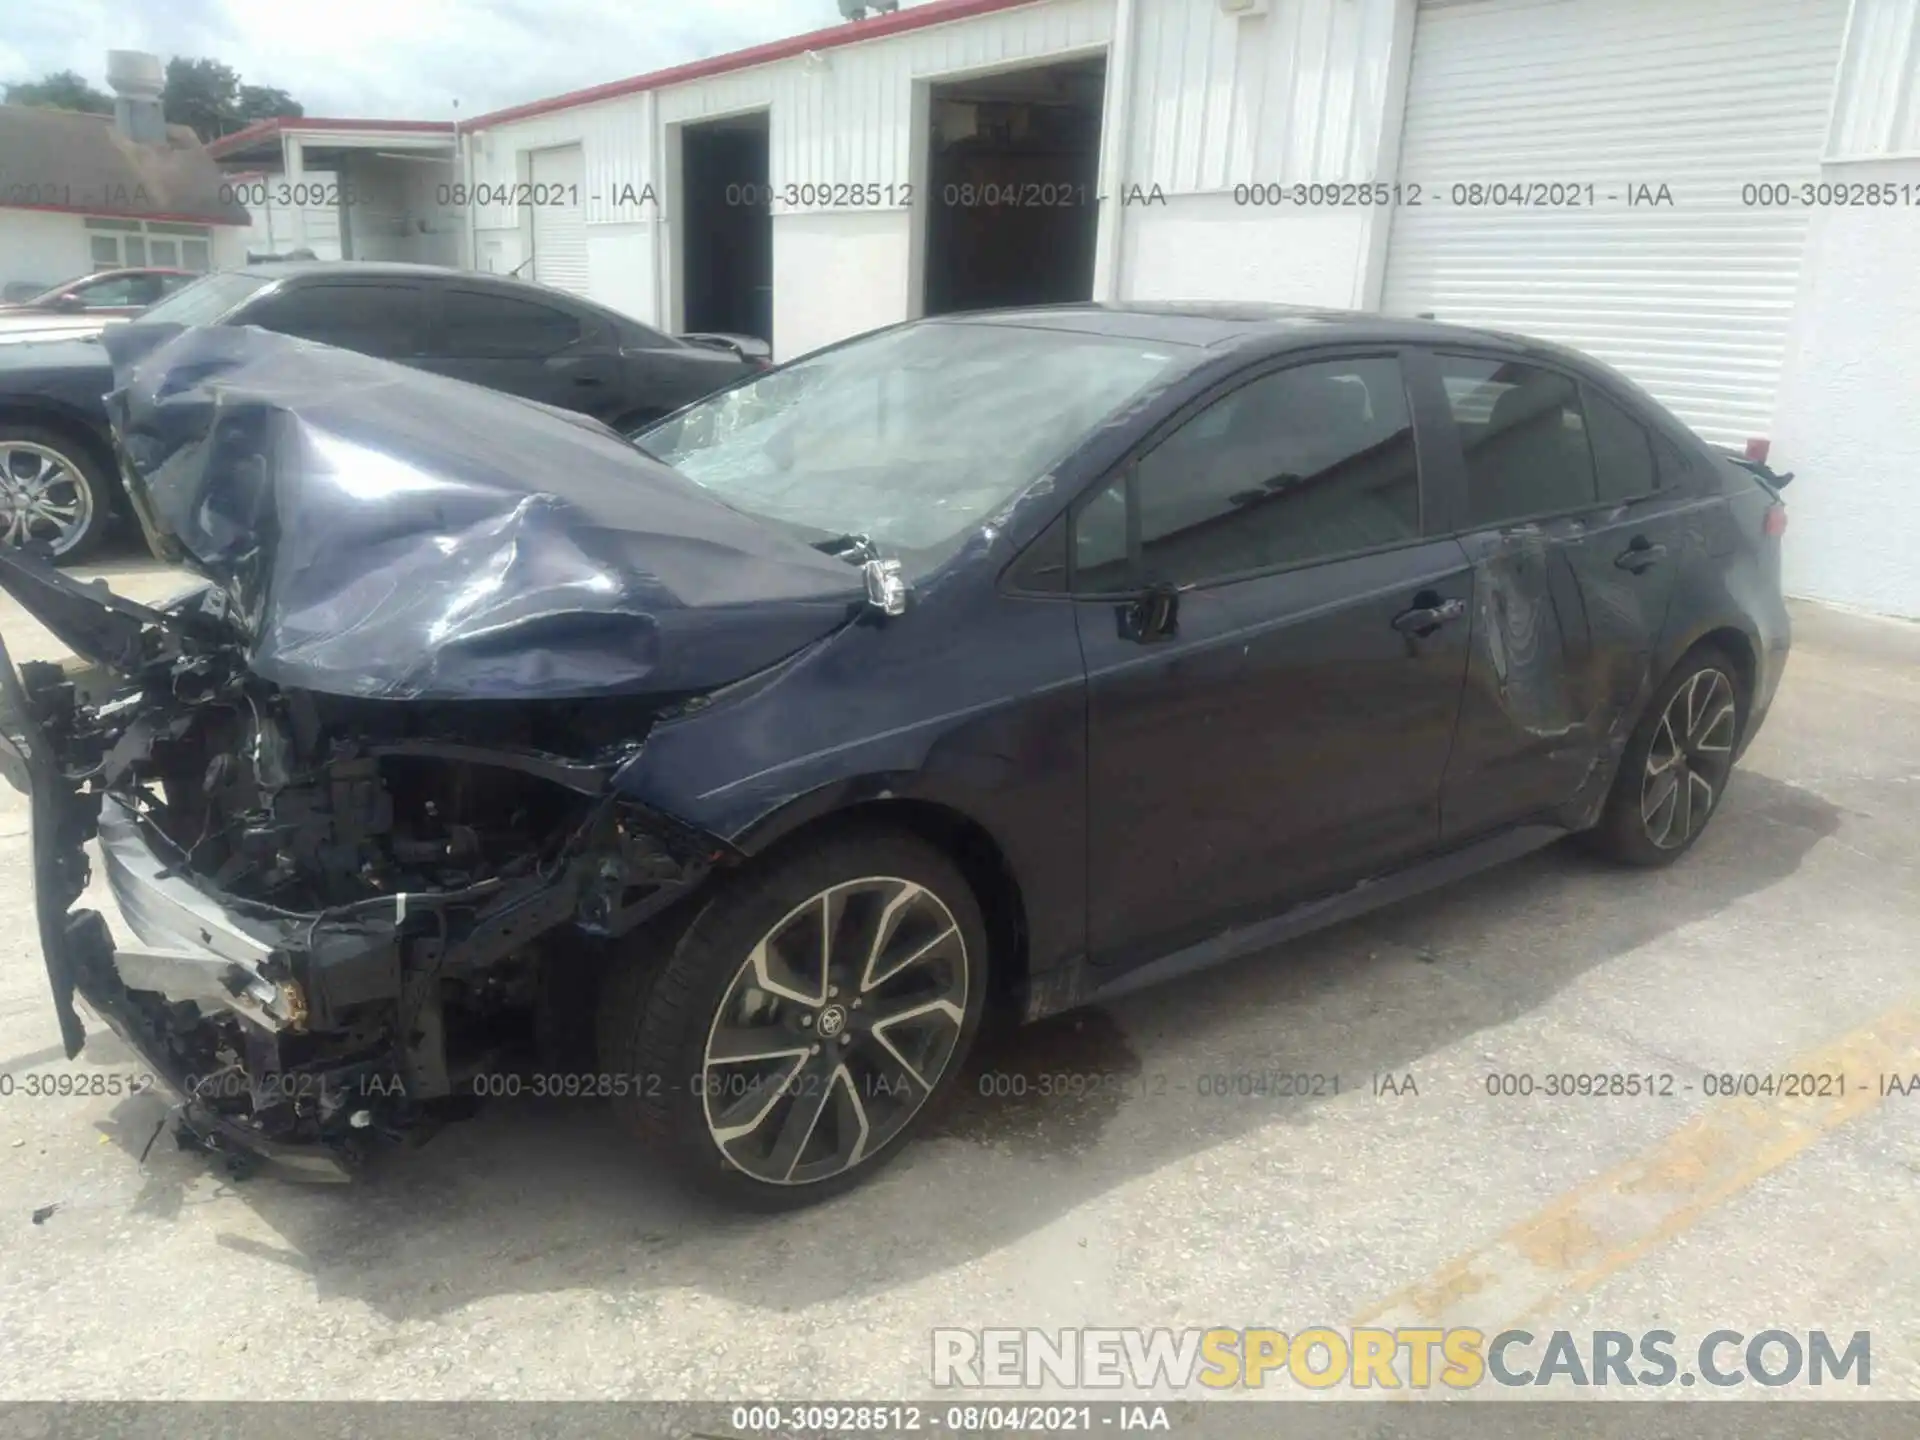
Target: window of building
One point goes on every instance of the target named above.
(115, 244)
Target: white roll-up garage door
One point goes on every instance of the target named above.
(1704, 97)
(559, 218)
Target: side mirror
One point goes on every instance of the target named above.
(1154, 615)
(69, 304)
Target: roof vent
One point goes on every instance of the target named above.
(136, 79)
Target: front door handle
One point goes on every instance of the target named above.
(1423, 620)
(1641, 554)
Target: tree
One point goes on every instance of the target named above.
(208, 97)
(63, 90)
(263, 102)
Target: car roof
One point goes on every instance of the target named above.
(287, 269)
(398, 269)
(1217, 325)
(136, 270)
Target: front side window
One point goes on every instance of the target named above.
(911, 436)
(1306, 464)
(482, 326)
(106, 294)
(1523, 436)
(382, 320)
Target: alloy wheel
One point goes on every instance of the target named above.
(1689, 759)
(43, 496)
(835, 1031)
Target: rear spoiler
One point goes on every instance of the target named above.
(1759, 469)
(750, 348)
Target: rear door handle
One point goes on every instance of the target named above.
(1425, 619)
(1640, 554)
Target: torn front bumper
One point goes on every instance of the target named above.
(185, 949)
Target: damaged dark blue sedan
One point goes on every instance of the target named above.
(995, 663)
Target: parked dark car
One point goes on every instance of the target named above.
(998, 663)
(57, 478)
(103, 293)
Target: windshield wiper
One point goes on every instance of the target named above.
(854, 548)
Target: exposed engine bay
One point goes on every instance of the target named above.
(344, 911)
(358, 799)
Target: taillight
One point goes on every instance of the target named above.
(1775, 523)
(1757, 448)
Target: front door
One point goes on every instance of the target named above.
(1274, 655)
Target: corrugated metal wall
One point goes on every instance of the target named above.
(1298, 94)
(1877, 114)
(844, 116)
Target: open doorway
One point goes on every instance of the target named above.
(727, 240)
(1012, 200)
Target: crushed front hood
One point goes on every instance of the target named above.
(390, 534)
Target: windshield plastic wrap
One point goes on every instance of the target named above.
(390, 534)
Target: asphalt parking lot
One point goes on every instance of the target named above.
(528, 1254)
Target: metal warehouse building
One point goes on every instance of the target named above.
(1722, 197)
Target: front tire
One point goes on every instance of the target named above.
(804, 1022)
(1677, 764)
(53, 489)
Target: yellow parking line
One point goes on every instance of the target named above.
(1602, 1227)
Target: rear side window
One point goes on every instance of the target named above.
(1523, 436)
(1622, 449)
(382, 320)
(480, 325)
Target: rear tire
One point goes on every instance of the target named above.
(1677, 764)
(53, 488)
(804, 1022)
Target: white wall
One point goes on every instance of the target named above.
(41, 246)
(1848, 417)
(1205, 247)
(229, 248)
(1847, 421)
(620, 269)
(387, 200)
(848, 118)
(1307, 93)
(273, 232)
(835, 275)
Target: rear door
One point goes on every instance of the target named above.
(1570, 585)
(525, 344)
(376, 316)
(1274, 648)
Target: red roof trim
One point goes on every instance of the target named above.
(100, 214)
(261, 129)
(852, 32)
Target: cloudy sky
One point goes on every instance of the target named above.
(401, 58)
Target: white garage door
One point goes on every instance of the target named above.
(1691, 299)
(560, 218)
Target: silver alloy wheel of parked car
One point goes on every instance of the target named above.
(43, 496)
(835, 1031)
(1688, 762)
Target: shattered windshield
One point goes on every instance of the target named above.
(910, 437)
